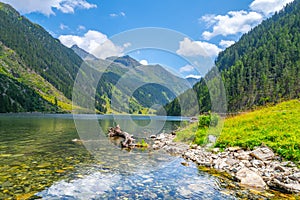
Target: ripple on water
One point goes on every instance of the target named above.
(169, 181)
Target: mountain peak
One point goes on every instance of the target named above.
(82, 53)
(125, 60)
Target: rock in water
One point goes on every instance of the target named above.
(250, 178)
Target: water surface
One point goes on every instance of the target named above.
(39, 159)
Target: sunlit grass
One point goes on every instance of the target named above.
(275, 126)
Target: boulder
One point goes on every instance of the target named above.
(250, 178)
(262, 153)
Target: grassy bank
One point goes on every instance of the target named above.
(275, 126)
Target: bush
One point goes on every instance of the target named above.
(208, 120)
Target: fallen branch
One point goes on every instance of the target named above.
(117, 132)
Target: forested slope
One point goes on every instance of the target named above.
(262, 67)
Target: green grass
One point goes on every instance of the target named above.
(275, 126)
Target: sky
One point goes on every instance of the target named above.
(94, 24)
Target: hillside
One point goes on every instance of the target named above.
(275, 126)
(262, 67)
(39, 50)
(32, 58)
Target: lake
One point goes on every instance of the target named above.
(40, 160)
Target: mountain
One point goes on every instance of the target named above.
(193, 81)
(262, 67)
(127, 86)
(124, 60)
(83, 54)
(38, 74)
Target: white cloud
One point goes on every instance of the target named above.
(232, 23)
(81, 28)
(63, 27)
(193, 76)
(226, 43)
(46, 6)
(239, 22)
(121, 14)
(144, 62)
(186, 68)
(197, 48)
(113, 15)
(268, 7)
(95, 43)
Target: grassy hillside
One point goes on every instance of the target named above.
(275, 126)
(26, 100)
(39, 50)
(11, 65)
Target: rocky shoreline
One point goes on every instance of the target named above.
(259, 169)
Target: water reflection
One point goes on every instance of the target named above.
(170, 181)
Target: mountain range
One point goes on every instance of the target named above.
(38, 74)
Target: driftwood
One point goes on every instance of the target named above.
(117, 132)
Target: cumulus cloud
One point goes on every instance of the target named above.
(186, 68)
(95, 43)
(268, 7)
(197, 48)
(232, 23)
(239, 22)
(226, 43)
(46, 6)
(144, 62)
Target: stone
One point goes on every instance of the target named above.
(220, 163)
(280, 168)
(295, 176)
(243, 156)
(250, 179)
(257, 163)
(290, 188)
(231, 161)
(216, 150)
(233, 149)
(212, 138)
(263, 153)
(152, 136)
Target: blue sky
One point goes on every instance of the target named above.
(211, 25)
